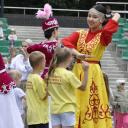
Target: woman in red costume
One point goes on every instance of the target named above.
(93, 103)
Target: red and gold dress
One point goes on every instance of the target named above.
(93, 103)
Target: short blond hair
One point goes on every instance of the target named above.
(35, 58)
(15, 74)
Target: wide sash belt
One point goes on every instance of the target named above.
(90, 61)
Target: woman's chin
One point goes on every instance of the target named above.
(91, 27)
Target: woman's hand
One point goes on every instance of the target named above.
(80, 56)
(83, 56)
(116, 17)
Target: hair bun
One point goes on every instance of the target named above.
(100, 8)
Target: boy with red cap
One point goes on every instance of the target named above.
(50, 27)
(9, 114)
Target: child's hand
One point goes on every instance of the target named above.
(85, 65)
(24, 53)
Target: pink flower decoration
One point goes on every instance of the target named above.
(44, 14)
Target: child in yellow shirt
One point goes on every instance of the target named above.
(61, 87)
(36, 95)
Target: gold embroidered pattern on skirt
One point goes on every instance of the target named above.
(96, 110)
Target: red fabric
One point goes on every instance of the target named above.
(2, 66)
(107, 32)
(6, 82)
(121, 120)
(106, 36)
(49, 23)
(71, 41)
(45, 47)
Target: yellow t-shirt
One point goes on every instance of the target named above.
(37, 108)
(61, 88)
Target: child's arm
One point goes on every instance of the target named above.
(47, 94)
(85, 66)
(42, 89)
(24, 102)
(75, 82)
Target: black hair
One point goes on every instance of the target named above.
(102, 9)
(48, 33)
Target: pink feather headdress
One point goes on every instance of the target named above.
(46, 13)
(48, 22)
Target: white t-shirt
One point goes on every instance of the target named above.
(19, 94)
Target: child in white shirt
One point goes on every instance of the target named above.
(19, 93)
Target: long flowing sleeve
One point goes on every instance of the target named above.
(109, 29)
(71, 41)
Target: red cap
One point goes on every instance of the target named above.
(50, 23)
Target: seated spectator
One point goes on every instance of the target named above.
(1, 31)
(21, 62)
(120, 105)
(12, 37)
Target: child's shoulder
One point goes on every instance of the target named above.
(18, 91)
(34, 76)
(66, 72)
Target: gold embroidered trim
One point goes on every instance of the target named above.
(87, 48)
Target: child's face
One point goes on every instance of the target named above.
(25, 45)
(42, 64)
(56, 33)
(18, 81)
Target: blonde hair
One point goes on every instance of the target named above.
(5, 60)
(35, 58)
(60, 56)
(15, 74)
